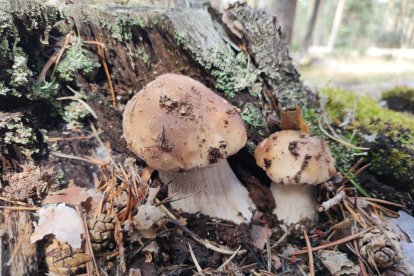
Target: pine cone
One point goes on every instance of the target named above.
(101, 232)
(63, 260)
(377, 247)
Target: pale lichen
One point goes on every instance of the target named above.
(20, 73)
(14, 130)
(75, 113)
(77, 59)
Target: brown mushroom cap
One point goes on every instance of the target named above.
(294, 158)
(177, 123)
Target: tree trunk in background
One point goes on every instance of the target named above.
(336, 24)
(285, 11)
(311, 24)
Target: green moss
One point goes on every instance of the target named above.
(400, 98)
(388, 134)
(344, 156)
(367, 110)
(76, 59)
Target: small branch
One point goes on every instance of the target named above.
(19, 244)
(386, 202)
(197, 265)
(360, 259)
(16, 208)
(206, 243)
(338, 198)
(310, 254)
(337, 242)
(223, 265)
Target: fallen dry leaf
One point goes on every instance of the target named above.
(61, 221)
(338, 263)
(73, 195)
(260, 235)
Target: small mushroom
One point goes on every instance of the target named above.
(295, 162)
(185, 131)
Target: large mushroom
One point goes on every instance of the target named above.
(185, 131)
(295, 162)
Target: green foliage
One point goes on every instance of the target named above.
(76, 59)
(400, 98)
(367, 110)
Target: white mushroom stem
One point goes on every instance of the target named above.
(294, 202)
(220, 193)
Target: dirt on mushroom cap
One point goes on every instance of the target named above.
(294, 158)
(175, 122)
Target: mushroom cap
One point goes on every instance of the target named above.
(177, 123)
(292, 157)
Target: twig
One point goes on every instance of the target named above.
(197, 265)
(17, 208)
(269, 255)
(332, 201)
(386, 202)
(19, 244)
(360, 259)
(279, 241)
(1, 251)
(170, 199)
(88, 159)
(78, 98)
(223, 265)
(337, 242)
(389, 212)
(103, 145)
(14, 202)
(88, 242)
(355, 215)
(339, 140)
(101, 54)
(310, 254)
(56, 139)
(206, 243)
(165, 209)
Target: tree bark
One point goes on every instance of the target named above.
(311, 25)
(336, 24)
(285, 11)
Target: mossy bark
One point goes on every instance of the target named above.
(255, 72)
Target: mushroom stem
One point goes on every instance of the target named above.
(213, 191)
(294, 202)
